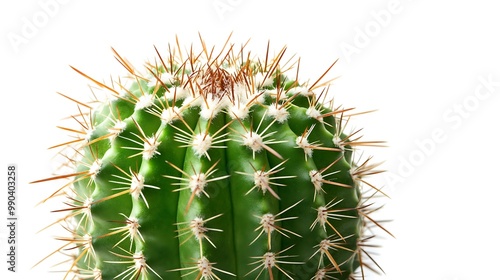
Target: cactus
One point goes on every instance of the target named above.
(215, 165)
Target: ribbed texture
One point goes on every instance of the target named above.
(216, 169)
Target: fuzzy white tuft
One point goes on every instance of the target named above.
(261, 80)
(279, 113)
(303, 143)
(171, 114)
(95, 168)
(316, 179)
(136, 185)
(253, 141)
(301, 91)
(117, 129)
(145, 101)
(150, 148)
(197, 183)
(314, 113)
(201, 144)
(239, 111)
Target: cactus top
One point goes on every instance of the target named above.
(215, 165)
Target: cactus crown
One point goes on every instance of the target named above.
(216, 165)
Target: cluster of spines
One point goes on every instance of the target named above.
(244, 105)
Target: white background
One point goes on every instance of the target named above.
(420, 63)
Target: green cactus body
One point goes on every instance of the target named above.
(215, 167)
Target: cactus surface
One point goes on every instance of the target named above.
(215, 165)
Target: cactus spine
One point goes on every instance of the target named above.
(215, 165)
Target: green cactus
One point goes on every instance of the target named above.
(215, 165)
